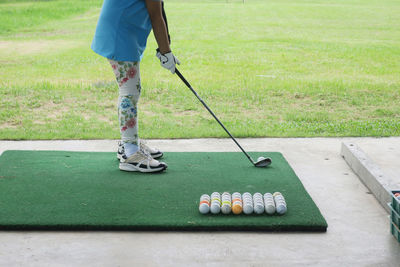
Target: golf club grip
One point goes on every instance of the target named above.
(183, 79)
(212, 113)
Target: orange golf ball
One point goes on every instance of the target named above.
(237, 209)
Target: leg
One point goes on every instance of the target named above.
(134, 157)
(128, 79)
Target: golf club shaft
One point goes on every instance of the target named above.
(212, 113)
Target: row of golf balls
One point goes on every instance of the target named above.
(248, 204)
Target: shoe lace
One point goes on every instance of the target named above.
(144, 151)
(140, 156)
(143, 144)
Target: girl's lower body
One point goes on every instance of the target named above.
(133, 153)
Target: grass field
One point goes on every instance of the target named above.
(266, 68)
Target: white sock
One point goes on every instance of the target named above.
(130, 149)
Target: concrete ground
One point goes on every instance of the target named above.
(358, 227)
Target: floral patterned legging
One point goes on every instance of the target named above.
(128, 79)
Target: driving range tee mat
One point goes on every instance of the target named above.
(62, 190)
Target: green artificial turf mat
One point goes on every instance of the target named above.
(60, 190)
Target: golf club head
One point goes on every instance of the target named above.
(263, 162)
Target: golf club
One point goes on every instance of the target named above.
(261, 161)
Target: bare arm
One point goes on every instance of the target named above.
(158, 23)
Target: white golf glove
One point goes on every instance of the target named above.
(168, 61)
(158, 54)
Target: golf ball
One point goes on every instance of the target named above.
(246, 194)
(248, 209)
(277, 193)
(226, 206)
(258, 209)
(226, 209)
(247, 203)
(204, 208)
(269, 203)
(204, 205)
(258, 203)
(280, 203)
(281, 209)
(215, 195)
(205, 197)
(270, 209)
(237, 209)
(215, 208)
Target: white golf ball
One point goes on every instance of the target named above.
(215, 209)
(259, 209)
(281, 209)
(204, 208)
(205, 196)
(270, 209)
(216, 194)
(226, 209)
(247, 209)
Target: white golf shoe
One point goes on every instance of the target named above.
(141, 161)
(154, 153)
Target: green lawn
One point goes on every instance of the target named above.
(283, 68)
